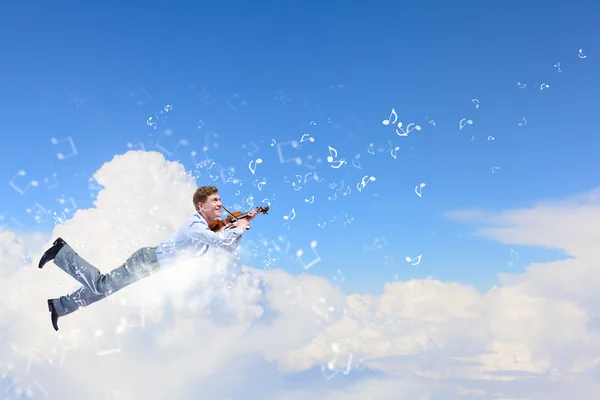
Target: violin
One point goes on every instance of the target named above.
(220, 224)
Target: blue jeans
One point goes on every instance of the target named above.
(97, 285)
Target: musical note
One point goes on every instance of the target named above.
(313, 123)
(61, 156)
(33, 183)
(258, 161)
(102, 352)
(347, 191)
(410, 260)
(521, 85)
(418, 189)
(321, 309)
(408, 129)
(476, 103)
(387, 121)
(462, 124)
(306, 137)
(557, 66)
(430, 121)
(523, 122)
(366, 179)
(490, 138)
(338, 277)
(252, 152)
(238, 100)
(273, 142)
(291, 216)
(168, 132)
(393, 151)
(544, 86)
(355, 162)
(294, 144)
(151, 123)
(514, 258)
(310, 201)
(260, 184)
(332, 155)
(55, 184)
(580, 54)
(332, 198)
(40, 212)
(370, 149)
(494, 169)
(299, 253)
(200, 124)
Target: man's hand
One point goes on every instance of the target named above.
(241, 223)
(251, 214)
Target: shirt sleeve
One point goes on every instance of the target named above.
(227, 239)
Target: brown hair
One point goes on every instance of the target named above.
(202, 194)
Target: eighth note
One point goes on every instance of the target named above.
(476, 103)
(418, 189)
(258, 161)
(291, 216)
(410, 260)
(310, 201)
(304, 138)
(462, 125)
(523, 122)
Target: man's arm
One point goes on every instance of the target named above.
(226, 239)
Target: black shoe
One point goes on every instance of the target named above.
(52, 251)
(53, 314)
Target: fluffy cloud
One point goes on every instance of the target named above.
(217, 330)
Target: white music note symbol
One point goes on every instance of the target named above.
(258, 161)
(521, 85)
(101, 352)
(299, 253)
(490, 138)
(408, 129)
(494, 169)
(476, 103)
(513, 256)
(462, 123)
(544, 86)
(61, 156)
(306, 137)
(410, 260)
(418, 189)
(393, 151)
(273, 142)
(291, 216)
(580, 54)
(332, 155)
(523, 122)
(387, 121)
(366, 179)
(18, 189)
(310, 201)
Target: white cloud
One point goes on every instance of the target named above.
(269, 335)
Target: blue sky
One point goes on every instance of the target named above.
(254, 73)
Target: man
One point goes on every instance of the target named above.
(192, 239)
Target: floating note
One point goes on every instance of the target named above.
(490, 138)
(300, 252)
(306, 137)
(418, 189)
(168, 107)
(310, 201)
(393, 151)
(101, 350)
(19, 189)
(408, 129)
(366, 179)
(273, 142)
(580, 54)
(494, 169)
(295, 145)
(332, 155)
(521, 85)
(514, 258)
(151, 123)
(544, 86)
(392, 114)
(62, 156)
(476, 103)
(258, 161)
(523, 122)
(291, 216)
(464, 122)
(412, 260)
(557, 66)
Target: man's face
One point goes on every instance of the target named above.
(212, 206)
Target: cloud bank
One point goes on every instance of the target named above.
(219, 330)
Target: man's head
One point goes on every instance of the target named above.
(207, 202)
